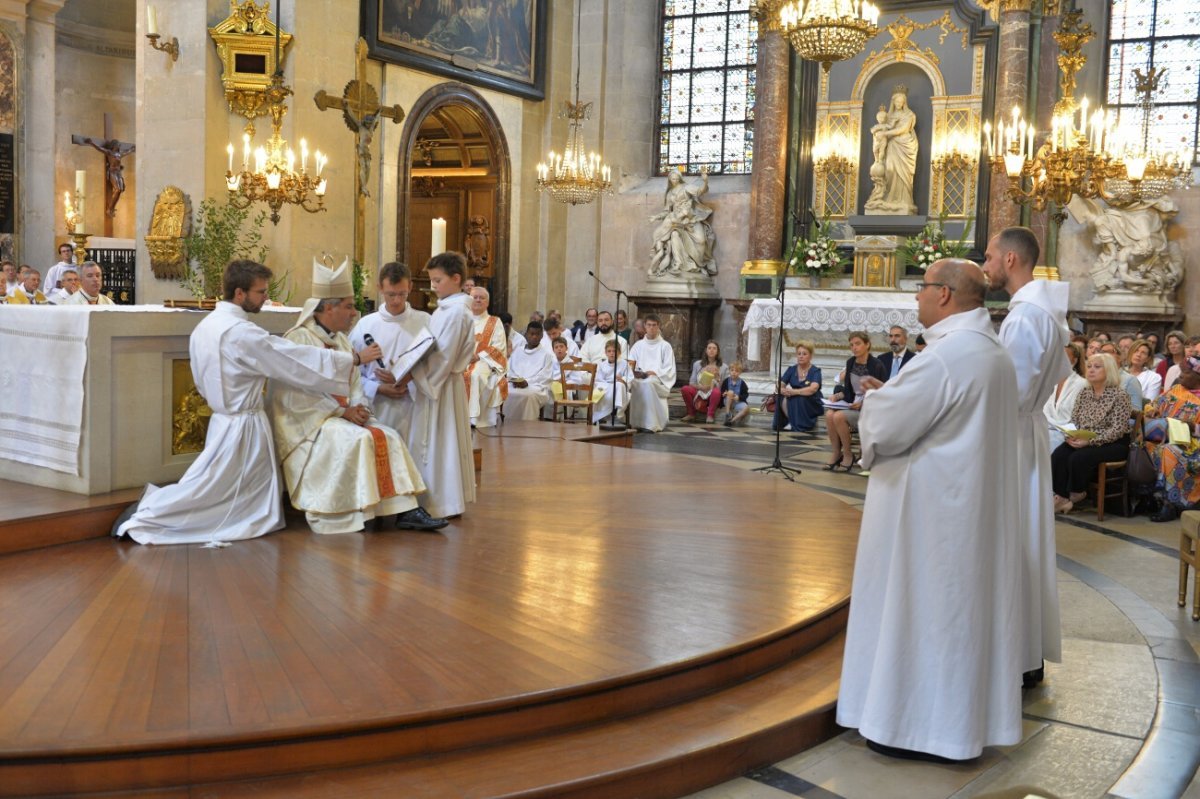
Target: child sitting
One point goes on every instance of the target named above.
(734, 393)
(604, 383)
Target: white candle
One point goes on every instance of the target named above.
(303, 156)
(245, 150)
(229, 149)
(80, 191)
(438, 240)
(151, 21)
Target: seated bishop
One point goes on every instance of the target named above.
(341, 466)
(487, 386)
(530, 371)
(27, 291)
(653, 378)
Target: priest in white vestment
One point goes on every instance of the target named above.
(232, 490)
(530, 370)
(28, 292)
(341, 466)
(443, 449)
(653, 378)
(70, 286)
(66, 260)
(395, 327)
(91, 283)
(932, 661)
(11, 278)
(592, 349)
(486, 384)
(1035, 334)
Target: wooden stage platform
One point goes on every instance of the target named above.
(601, 623)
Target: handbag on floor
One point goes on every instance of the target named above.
(1139, 468)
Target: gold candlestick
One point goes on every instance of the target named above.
(80, 240)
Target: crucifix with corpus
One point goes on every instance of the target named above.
(361, 112)
(114, 152)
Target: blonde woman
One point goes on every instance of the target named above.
(1102, 409)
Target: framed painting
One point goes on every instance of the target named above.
(499, 44)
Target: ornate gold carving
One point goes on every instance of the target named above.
(170, 222)
(764, 266)
(902, 28)
(875, 261)
(1071, 36)
(246, 46)
(189, 420)
(766, 14)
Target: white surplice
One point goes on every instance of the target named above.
(394, 333)
(80, 298)
(232, 490)
(537, 368)
(933, 648)
(487, 388)
(1035, 334)
(592, 350)
(603, 393)
(572, 348)
(332, 468)
(1057, 410)
(441, 443)
(648, 396)
(54, 275)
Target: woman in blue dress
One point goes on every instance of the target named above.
(798, 403)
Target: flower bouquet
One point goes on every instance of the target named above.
(816, 254)
(932, 245)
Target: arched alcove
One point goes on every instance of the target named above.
(878, 92)
(455, 163)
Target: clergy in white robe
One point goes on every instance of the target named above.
(395, 327)
(487, 386)
(530, 370)
(553, 330)
(592, 350)
(28, 293)
(91, 283)
(66, 258)
(442, 449)
(70, 287)
(232, 490)
(1035, 334)
(341, 466)
(653, 378)
(932, 659)
(603, 393)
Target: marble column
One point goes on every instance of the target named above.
(1047, 93)
(37, 227)
(768, 192)
(1012, 86)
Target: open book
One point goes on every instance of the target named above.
(403, 363)
(706, 380)
(1071, 431)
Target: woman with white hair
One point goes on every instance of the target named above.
(1101, 416)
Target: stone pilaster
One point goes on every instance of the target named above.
(1012, 86)
(36, 117)
(768, 191)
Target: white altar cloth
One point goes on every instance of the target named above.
(833, 311)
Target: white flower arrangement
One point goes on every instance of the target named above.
(817, 254)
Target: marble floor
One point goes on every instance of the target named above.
(1120, 717)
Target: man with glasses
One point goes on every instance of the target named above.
(932, 653)
(1035, 333)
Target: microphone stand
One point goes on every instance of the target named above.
(614, 425)
(777, 464)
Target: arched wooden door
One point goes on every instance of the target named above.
(455, 165)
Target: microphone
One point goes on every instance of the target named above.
(370, 341)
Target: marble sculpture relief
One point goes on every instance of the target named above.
(895, 148)
(1135, 254)
(683, 241)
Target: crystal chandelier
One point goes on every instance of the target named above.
(1088, 156)
(828, 30)
(274, 179)
(1163, 170)
(575, 177)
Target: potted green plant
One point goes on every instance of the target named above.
(816, 254)
(221, 233)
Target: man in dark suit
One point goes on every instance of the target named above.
(899, 353)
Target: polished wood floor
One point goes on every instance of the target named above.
(587, 583)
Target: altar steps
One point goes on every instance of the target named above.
(32, 517)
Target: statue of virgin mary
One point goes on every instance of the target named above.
(896, 138)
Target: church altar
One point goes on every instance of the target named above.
(94, 393)
(832, 311)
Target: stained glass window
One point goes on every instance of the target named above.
(709, 50)
(1156, 33)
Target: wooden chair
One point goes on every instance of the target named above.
(1189, 555)
(569, 382)
(1111, 474)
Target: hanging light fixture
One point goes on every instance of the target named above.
(274, 179)
(1162, 169)
(575, 177)
(828, 30)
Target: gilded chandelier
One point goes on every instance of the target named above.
(575, 177)
(828, 30)
(274, 179)
(1088, 156)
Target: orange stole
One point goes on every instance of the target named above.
(383, 461)
(481, 346)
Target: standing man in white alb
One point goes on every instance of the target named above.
(395, 327)
(592, 350)
(1035, 334)
(66, 258)
(232, 490)
(932, 655)
(653, 378)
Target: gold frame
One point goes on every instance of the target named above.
(248, 31)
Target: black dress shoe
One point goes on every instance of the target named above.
(909, 754)
(1167, 513)
(418, 519)
(1030, 679)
